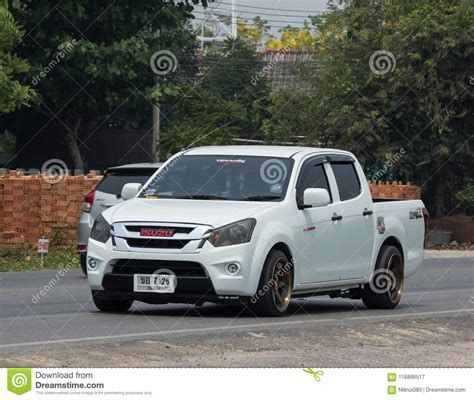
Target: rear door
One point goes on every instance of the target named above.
(110, 187)
(357, 221)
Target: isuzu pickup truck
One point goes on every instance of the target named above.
(258, 225)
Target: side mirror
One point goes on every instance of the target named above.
(130, 190)
(315, 198)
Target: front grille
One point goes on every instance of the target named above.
(179, 268)
(175, 229)
(157, 243)
(185, 239)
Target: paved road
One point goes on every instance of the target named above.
(65, 317)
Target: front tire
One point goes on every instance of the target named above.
(110, 305)
(386, 287)
(274, 289)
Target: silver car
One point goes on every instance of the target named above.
(107, 194)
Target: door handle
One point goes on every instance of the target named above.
(367, 212)
(336, 217)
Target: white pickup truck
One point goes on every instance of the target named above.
(258, 225)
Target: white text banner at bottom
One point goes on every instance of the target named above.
(236, 383)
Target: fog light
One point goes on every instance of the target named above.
(232, 269)
(92, 262)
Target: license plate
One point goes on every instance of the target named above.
(154, 283)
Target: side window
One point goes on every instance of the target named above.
(347, 180)
(312, 176)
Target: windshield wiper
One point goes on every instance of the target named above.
(261, 198)
(202, 197)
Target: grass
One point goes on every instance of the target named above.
(26, 258)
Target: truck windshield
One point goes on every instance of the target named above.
(222, 177)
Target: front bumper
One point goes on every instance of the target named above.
(201, 275)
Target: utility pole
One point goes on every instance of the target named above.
(155, 138)
(234, 19)
(155, 130)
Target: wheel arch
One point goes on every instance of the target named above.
(285, 249)
(395, 242)
(391, 240)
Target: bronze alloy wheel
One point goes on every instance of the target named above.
(281, 284)
(395, 268)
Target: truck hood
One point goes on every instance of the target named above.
(207, 212)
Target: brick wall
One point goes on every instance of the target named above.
(36, 205)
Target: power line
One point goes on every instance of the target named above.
(277, 9)
(260, 13)
(285, 24)
(279, 20)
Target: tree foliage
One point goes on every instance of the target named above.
(227, 102)
(253, 33)
(296, 39)
(104, 77)
(415, 93)
(13, 94)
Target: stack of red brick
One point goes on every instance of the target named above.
(395, 190)
(35, 205)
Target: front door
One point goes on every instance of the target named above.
(320, 235)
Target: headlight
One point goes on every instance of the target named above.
(100, 229)
(235, 233)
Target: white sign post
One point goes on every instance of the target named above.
(43, 247)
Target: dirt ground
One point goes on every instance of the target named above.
(440, 342)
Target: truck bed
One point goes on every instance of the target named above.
(405, 218)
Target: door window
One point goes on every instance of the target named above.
(347, 180)
(312, 176)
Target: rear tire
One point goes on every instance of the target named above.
(83, 261)
(386, 287)
(274, 289)
(109, 305)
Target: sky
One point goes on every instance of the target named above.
(271, 10)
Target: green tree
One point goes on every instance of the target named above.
(229, 101)
(395, 75)
(200, 117)
(235, 74)
(13, 94)
(91, 60)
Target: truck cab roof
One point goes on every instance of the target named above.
(259, 150)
